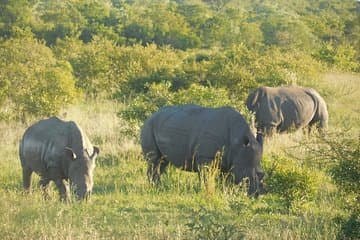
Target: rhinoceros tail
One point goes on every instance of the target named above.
(321, 114)
(147, 139)
(21, 154)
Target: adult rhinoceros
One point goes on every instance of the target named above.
(281, 109)
(58, 150)
(189, 136)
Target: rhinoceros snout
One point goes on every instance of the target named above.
(254, 187)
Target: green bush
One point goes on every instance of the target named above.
(136, 67)
(340, 153)
(341, 57)
(294, 184)
(103, 69)
(231, 70)
(57, 20)
(276, 67)
(206, 224)
(143, 105)
(159, 95)
(158, 23)
(350, 227)
(239, 69)
(92, 64)
(32, 80)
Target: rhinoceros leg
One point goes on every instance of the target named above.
(268, 130)
(156, 166)
(44, 183)
(254, 183)
(27, 178)
(54, 174)
(153, 159)
(63, 189)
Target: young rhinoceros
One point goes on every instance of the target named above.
(58, 151)
(189, 136)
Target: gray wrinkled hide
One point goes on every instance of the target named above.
(58, 151)
(189, 136)
(282, 109)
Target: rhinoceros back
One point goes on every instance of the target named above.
(297, 107)
(188, 133)
(43, 144)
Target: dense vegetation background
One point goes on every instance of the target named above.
(110, 64)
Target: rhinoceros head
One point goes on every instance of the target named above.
(246, 156)
(81, 170)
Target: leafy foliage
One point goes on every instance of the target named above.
(119, 48)
(158, 23)
(294, 184)
(207, 225)
(159, 95)
(92, 64)
(15, 15)
(32, 80)
(57, 20)
(343, 164)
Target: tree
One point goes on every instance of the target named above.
(14, 14)
(57, 19)
(102, 19)
(33, 80)
(159, 23)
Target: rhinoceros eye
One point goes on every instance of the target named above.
(246, 141)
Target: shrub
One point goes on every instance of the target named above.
(294, 184)
(239, 69)
(136, 67)
(35, 82)
(206, 224)
(275, 67)
(231, 69)
(156, 22)
(340, 152)
(159, 95)
(350, 227)
(341, 57)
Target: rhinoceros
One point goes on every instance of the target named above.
(282, 109)
(58, 151)
(189, 136)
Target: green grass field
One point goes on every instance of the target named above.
(125, 206)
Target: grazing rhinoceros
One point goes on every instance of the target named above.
(282, 109)
(189, 136)
(58, 151)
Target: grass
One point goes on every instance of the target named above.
(125, 206)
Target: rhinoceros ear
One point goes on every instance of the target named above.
(70, 153)
(252, 102)
(95, 152)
